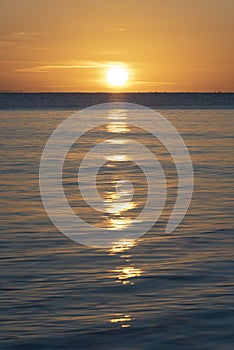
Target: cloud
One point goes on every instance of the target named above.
(21, 36)
(117, 29)
(154, 83)
(18, 36)
(74, 64)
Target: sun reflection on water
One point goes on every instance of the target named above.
(120, 207)
(117, 141)
(122, 319)
(121, 246)
(117, 127)
(127, 273)
(119, 223)
(117, 158)
(120, 201)
(120, 114)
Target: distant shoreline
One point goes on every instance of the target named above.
(79, 100)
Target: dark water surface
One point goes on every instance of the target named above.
(166, 292)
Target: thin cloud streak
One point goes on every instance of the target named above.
(81, 64)
(154, 82)
(21, 36)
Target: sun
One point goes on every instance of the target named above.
(117, 76)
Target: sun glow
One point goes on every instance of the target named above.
(117, 76)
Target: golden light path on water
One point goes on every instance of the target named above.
(117, 193)
(118, 201)
(117, 204)
(124, 275)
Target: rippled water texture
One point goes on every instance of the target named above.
(165, 291)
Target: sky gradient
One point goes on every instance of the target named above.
(169, 45)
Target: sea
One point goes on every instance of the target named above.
(163, 291)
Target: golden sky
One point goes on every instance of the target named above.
(68, 45)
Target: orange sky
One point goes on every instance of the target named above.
(167, 45)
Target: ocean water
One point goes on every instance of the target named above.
(165, 291)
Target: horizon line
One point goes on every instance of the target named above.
(114, 92)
